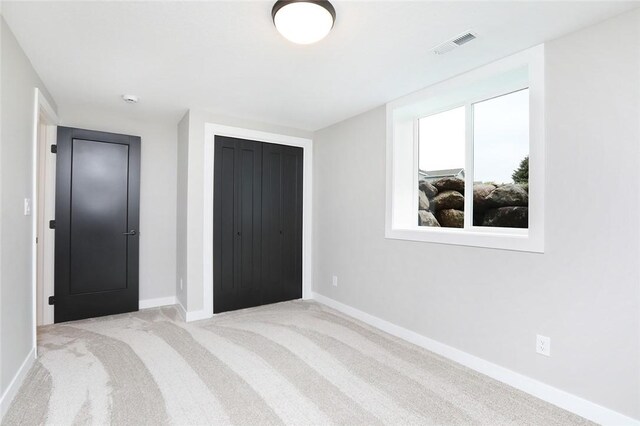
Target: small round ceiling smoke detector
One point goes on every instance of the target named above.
(130, 99)
(303, 21)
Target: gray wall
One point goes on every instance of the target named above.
(583, 291)
(157, 189)
(18, 80)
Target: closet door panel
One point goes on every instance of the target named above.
(224, 223)
(272, 223)
(249, 220)
(292, 223)
(237, 233)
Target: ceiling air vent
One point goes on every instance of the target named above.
(465, 38)
(449, 45)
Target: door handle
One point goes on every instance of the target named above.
(132, 232)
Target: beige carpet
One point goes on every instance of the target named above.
(296, 363)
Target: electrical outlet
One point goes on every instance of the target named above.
(334, 281)
(180, 284)
(543, 345)
(27, 207)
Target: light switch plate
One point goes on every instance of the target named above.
(27, 206)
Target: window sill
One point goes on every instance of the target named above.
(501, 238)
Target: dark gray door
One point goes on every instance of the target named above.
(257, 223)
(97, 214)
(282, 223)
(237, 223)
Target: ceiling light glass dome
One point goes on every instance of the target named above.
(303, 21)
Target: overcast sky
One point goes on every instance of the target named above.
(501, 138)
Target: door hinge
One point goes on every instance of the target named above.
(54, 149)
(52, 224)
(52, 300)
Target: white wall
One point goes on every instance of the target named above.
(17, 83)
(192, 265)
(583, 292)
(157, 189)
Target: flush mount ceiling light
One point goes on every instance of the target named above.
(303, 21)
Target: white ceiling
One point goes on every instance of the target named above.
(226, 57)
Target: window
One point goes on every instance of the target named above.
(459, 152)
(500, 139)
(441, 161)
(501, 161)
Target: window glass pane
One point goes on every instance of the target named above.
(501, 161)
(441, 169)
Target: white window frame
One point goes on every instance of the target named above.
(519, 71)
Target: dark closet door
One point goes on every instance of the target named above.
(237, 223)
(257, 224)
(281, 223)
(97, 213)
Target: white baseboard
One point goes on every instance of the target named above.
(181, 310)
(16, 382)
(197, 315)
(159, 301)
(189, 316)
(560, 398)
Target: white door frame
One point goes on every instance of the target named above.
(42, 110)
(211, 131)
